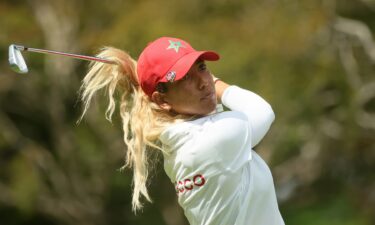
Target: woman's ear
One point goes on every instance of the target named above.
(160, 99)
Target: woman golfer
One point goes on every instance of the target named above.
(169, 102)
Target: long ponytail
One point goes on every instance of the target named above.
(142, 120)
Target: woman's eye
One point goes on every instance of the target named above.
(202, 67)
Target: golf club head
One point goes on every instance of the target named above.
(16, 60)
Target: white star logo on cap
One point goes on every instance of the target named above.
(176, 45)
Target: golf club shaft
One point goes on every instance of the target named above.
(84, 57)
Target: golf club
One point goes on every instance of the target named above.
(18, 64)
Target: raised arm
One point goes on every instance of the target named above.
(257, 110)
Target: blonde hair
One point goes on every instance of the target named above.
(142, 120)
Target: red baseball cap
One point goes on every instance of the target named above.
(167, 59)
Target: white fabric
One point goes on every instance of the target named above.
(219, 179)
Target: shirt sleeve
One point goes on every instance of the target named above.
(259, 113)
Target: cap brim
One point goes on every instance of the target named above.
(183, 65)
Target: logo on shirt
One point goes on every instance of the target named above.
(189, 184)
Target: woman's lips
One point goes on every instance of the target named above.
(207, 96)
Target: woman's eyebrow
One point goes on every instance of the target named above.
(198, 61)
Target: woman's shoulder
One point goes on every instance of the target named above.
(211, 125)
(215, 139)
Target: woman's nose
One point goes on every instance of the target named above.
(202, 82)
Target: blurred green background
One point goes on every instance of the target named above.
(313, 60)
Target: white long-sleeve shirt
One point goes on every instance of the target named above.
(219, 179)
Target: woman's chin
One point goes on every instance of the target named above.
(209, 107)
